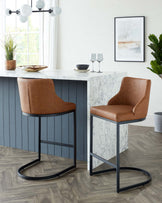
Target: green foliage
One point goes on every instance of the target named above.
(156, 46)
(10, 47)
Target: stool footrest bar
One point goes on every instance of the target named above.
(57, 143)
(102, 159)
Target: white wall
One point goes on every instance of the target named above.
(87, 26)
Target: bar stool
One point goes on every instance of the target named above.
(128, 106)
(39, 99)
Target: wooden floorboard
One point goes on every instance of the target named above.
(145, 151)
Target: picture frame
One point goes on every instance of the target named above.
(129, 39)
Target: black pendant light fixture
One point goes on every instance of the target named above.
(26, 10)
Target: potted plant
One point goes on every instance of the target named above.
(10, 48)
(156, 46)
(156, 67)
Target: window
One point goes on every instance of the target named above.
(36, 39)
(27, 35)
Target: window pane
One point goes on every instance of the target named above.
(21, 59)
(33, 43)
(11, 4)
(26, 34)
(19, 3)
(34, 59)
(10, 23)
(22, 43)
(34, 22)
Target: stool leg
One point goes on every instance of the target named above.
(39, 138)
(74, 138)
(37, 161)
(91, 144)
(116, 167)
(118, 157)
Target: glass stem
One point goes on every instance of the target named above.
(92, 66)
(99, 66)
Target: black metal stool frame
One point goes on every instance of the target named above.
(116, 167)
(38, 160)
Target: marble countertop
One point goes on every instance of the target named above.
(57, 74)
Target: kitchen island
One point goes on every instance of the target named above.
(83, 89)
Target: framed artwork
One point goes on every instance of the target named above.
(129, 39)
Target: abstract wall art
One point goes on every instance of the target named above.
(129, 39)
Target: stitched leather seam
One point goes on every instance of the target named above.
(29, 98)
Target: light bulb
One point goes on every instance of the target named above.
(8, 12)
(40, 4)
(26, 10)
(23, 19)
(56, 11)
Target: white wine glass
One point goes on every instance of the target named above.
(93, 59)
(99, 60)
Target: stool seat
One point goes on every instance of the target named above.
(67, 106)
(116, 113)
(58, 108)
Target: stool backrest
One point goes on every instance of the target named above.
(134, 92)
(37, 96)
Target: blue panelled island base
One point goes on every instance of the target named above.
(21, 132)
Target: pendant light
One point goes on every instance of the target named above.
(26, 10)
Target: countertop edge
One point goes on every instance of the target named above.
(57, 75)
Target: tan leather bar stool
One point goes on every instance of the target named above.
(38, 99)
(128, 106)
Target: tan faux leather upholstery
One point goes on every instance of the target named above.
(38, 96)
(130, 103)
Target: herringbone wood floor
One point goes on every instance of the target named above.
(145, 151)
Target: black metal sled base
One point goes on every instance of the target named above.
(120, 189)
(35, 162)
